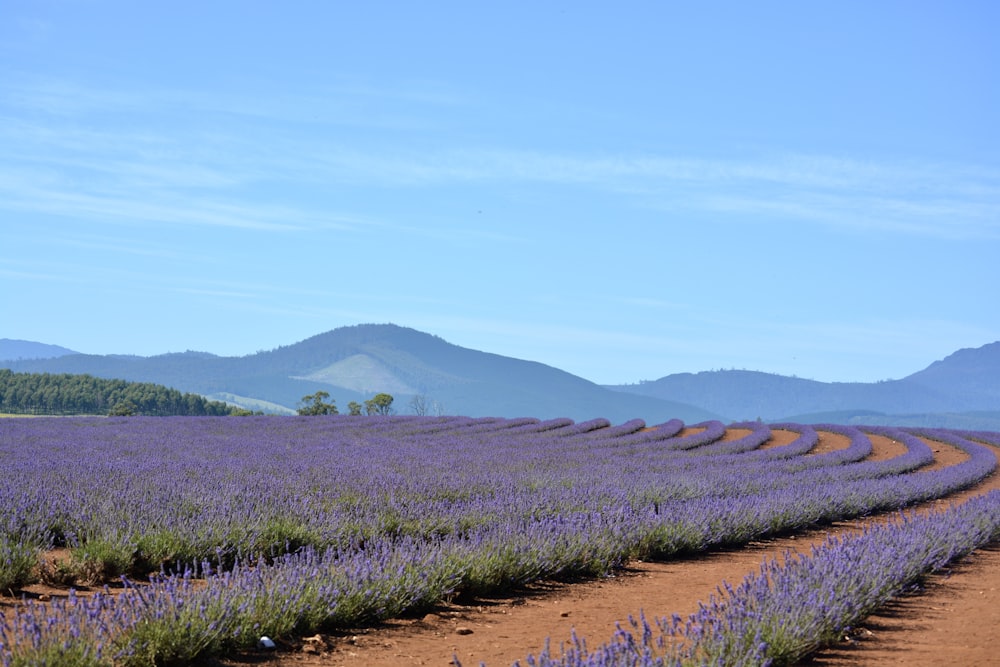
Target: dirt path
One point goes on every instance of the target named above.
(950, 624)
(953, 621)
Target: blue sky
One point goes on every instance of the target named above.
(621, 190)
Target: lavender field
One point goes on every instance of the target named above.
(213, 532)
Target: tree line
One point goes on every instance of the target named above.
(379, 404)
(70, 394)
(317, 404)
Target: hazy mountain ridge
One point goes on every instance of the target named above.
(352, 363)
(455, 380)
(753, 394)
(971, 374)
(959, 391)
(14, 349)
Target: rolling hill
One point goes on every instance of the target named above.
(13, 349)
(960, 391)
(352, 363)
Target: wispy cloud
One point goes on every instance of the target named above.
(127, 246)
(343, 102)
(651, 303)
(33, 275)
(923, 198)
(956, 219)
(215, 293)
(133, 211)
(67, 152)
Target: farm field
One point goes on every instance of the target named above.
(407, 540)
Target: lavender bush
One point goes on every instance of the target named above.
(796, 605)
(290, 524)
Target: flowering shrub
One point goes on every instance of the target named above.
(284, 525)
(796, 605)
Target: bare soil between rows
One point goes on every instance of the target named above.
(952, 620)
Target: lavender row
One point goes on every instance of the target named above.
(797, 605)
(174, 621)
(759, 433)
(480, 511)
(191, 509)
(177, 618)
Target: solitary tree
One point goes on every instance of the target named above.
(354, 408)
(379, 404)
(123, 408)
(419, 405)
(422, 406)
(315, 404)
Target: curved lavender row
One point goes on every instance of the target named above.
(808, 438)
(759, 434)
(617, 431)
(918, 453)
(989, 437)
(419, 511)
(581, 428)
(677, 526)
(306, 591)
(497, 425)
(948, 436)
(790, 508)
(860, 446)
(837, 466)
(543, 426)
(416, 516)
(829, 466)
(713, 430)
(794, 607)
(587, 527)
(659, 432)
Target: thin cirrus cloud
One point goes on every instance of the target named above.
(959, 201)
(97, 169)
(948, 208)
(953, 219)
(135, 211)
(343, 103)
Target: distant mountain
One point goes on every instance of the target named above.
(962, 388)
(970, 376)
(353, 363)
(752, 394)
(12, 350)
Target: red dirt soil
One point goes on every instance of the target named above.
(950, 622)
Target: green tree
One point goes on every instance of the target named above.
(123, 409)
(84, 394)
(379, 404)
(315, 404)
(354, 408)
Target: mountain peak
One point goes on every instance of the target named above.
(13, 349)
(966, 371)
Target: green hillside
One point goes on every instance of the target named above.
(67, 394)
